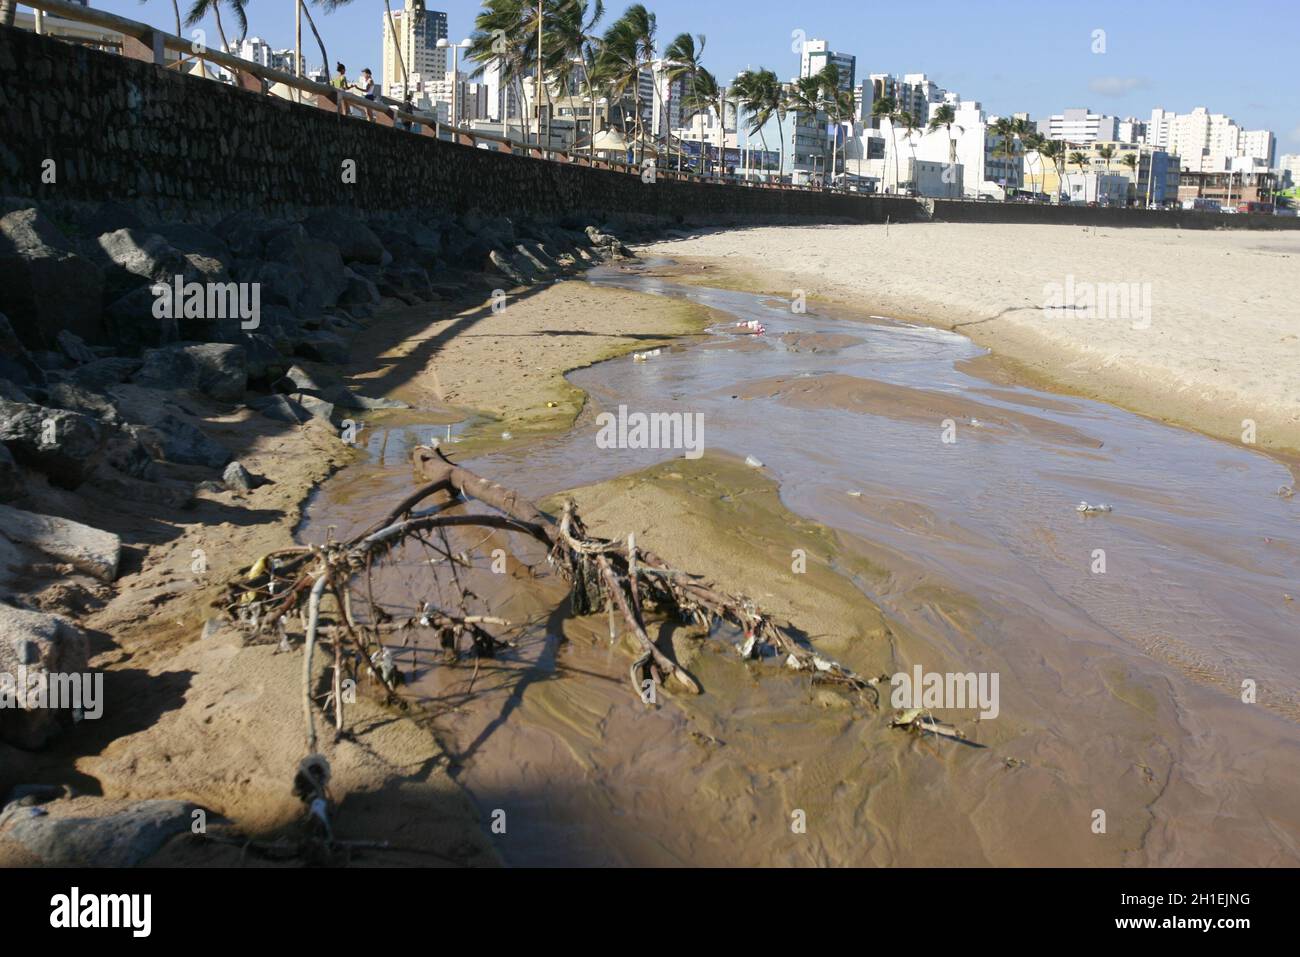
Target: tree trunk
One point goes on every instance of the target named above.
(397, 48)
(221, 31)
(324, 57)
(176, 9)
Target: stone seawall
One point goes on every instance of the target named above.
(180, 147)
(130, 131)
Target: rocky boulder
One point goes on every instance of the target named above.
(355, 241)
(126, 838)
(173, 439)
(16, 363)
(218, 370)
(64, 445)
(11, 480)
(319, 265)
(95, 552)
(36, 645)
(46, 285)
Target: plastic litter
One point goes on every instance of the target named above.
(752, 462)
(1085, 509)
(753, 326)
(643, 356)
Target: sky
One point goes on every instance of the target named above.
(1236, 58)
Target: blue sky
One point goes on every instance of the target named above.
(1237, 58)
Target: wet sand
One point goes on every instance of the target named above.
(1101, 713)
(1118, 696)
(1221, 342)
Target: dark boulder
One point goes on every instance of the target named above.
(215, 369)
(46, 285)
(355, 241)
(65, 445)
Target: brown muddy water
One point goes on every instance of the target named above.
(1122, 640)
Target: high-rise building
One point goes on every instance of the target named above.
(1082, 126)
(914, 92)
(1132, 130)
(1207, 142)
(817, 54)
(418, 32)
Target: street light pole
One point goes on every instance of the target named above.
(297, 40)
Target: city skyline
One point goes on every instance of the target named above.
(1150, 60)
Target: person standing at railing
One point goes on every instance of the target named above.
(367, 89)
(340, 80)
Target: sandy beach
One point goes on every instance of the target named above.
(1210, 335)
(898, 572)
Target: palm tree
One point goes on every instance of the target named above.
(1130, 160)
(886, 108)
(1033, 142)
(683, 58)
(1052, 151)
(805, 99)
(841, 103)
(202, 8)
(945, 118)
(1007, 131)
(1107, 153)
(1080, 160)
(765, 98)
(571, 35)
(908, 122)
(707, 96)
(504, 31)
(629, 47)
(8, 19)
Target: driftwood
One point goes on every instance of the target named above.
(620, 577)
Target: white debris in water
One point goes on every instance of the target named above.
(793, 662)
(1286, 491)
(752, 462)
(976, 424)
(754, 326)
(747, 649)
(506, 436)
(855, 494)
(1086, 509)
(822, 664)
(643, 356)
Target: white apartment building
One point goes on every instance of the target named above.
(914, 92)
(418, 33)
(1083, 126)
(1206, 141)
(256, 50)
(1132, 130)
(977, 150)
(817, 54)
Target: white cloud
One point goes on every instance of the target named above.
(1116, 85)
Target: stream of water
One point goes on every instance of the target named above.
(1148, 655)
